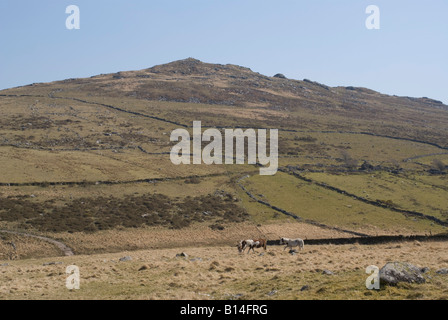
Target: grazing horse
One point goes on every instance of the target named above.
(251, 244)
(292, 243)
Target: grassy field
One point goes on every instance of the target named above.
(315, 203)
(405, 192)
(220, 272)
(86, 162)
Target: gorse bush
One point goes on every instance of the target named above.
(104, 213)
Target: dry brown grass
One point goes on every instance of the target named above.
(222, 273)
(25, 247)
(199, 234)
(157, 237)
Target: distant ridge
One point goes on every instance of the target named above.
(201, 82)
(192, 81)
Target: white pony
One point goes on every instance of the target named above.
(290, 243)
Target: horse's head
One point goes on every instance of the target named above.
(241, 245)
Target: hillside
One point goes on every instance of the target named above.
(83, 157)
(276, 102)
(85, 172)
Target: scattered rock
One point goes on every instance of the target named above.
(442, 271)
(142, 268)
(51, 263)
(235, 296)
(196, 259)
(328, 272)
(293, 252)
(271, 293)
(424, 270)
(182, 255)
(127, 258)
(395, 272)
(4, 265)
(280, 75)
(305, 288)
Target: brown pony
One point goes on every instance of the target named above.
(251, 244)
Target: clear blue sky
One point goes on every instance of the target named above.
(321, 40)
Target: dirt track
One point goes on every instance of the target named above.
(64, 248)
